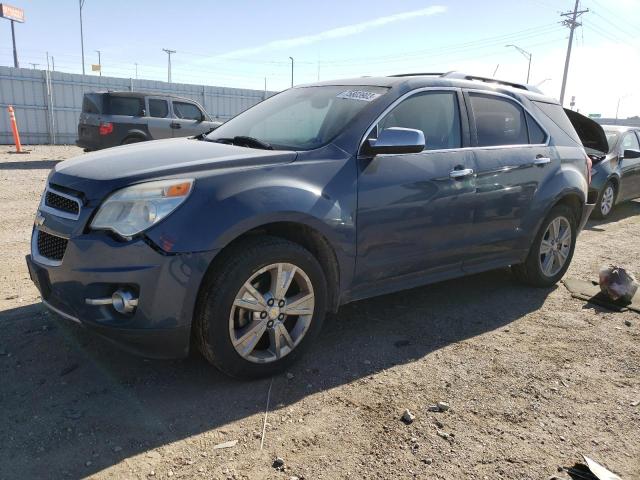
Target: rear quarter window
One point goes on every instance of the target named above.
(131, 106)
(556, 113)
(91, 104)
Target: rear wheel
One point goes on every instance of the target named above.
(606, 201)
(261, 307)
(551, 251)
(130, 140)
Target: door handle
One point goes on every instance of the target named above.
(541, 161)
(175, 125)
(456, 174)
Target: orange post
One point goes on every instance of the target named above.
(14, 128)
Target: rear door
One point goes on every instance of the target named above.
(512, 158)
(159, 118)
(188, 119)
(629, 168)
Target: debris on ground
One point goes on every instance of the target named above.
(408, 417)
(278, 463)
(618, 284)
(229, 444)
(439, 407)
(592, 293)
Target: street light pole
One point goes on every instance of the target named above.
(169, 52)
(15, 51)
(528, 55)
(99, 62)
(81, 3)
(291, 71)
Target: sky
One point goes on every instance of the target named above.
(245, 43)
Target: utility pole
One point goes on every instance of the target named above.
(526, 54)
(81, 3)
(99, 62)
(34, 65)
(136, 64)
(53, 64)
(571, 22)
(169, 52)
(291, 71)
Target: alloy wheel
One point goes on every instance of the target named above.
(555, 246)
(271, 313)
(606, 204)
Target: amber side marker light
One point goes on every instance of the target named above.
(179, 190)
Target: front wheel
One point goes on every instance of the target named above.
(606, 201)
(551, 251)
(260, 307)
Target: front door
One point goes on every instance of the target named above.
(629, 168)
(188, 119)
(414, 210)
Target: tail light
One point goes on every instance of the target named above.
(589, 167)
(106, 128)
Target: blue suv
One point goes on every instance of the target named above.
(239, 242)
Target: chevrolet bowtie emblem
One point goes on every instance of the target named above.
(39, 221)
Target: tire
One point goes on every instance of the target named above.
(130, 140)
(221, 319)
(532, 271)
(606, 201)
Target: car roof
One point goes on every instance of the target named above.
(126, 93)
(619, 128)
(410, 81)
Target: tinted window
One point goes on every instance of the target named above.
(630, 141)
(498, 121)
(187, 111)
(536, 134)
(556, 113)
(158, 108)
(435, 113)
(91, 103)
(125, 106)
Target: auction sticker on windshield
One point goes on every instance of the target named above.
(361, 95)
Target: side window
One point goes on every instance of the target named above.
(187, 111)
(498, 121)
(118, 105)
(158, 108)
(536, 134)
(629, 141)
(435, 113)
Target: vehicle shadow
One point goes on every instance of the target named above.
(29, 165)
(620, 212)
(64, 390)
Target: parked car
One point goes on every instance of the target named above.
(616, 172)
(119, 118)
(239, 242)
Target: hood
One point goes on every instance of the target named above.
(93, 173)
(590, 132)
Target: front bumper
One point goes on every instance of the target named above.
(95, 265)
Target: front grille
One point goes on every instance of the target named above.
(59, 202)
(51, 246)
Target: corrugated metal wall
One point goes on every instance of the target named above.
(27, 91)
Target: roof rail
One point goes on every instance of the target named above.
(474, 78)
(477, 78)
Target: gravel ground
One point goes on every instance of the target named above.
(534, 379)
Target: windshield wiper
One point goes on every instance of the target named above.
(241, 140)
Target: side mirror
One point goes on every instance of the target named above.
(143, 113)
(630, 153)
(396, 140)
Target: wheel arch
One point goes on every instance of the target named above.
(135, 133)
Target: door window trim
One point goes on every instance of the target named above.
(462, 111)
(472, 120)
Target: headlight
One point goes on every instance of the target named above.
(134, 209)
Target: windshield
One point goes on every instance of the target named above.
(612, 138)
(299, 118)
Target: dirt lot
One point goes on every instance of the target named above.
(534, 379)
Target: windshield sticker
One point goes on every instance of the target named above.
(361, 95)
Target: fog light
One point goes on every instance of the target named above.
(123, 301)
